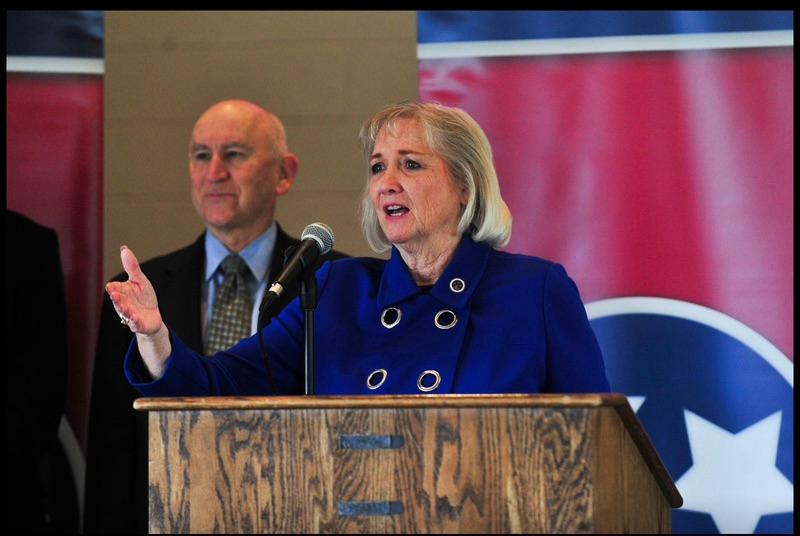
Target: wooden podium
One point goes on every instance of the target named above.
(404, 464)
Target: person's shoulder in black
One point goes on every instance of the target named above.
(35, 375)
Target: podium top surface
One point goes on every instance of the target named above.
(386, 401)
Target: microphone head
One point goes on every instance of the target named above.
(321, 234)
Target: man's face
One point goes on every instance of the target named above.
(234, 171)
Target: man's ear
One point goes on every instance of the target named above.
(289, 167)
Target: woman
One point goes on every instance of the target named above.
(447, 313)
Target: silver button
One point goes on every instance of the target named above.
(390, 317)
(457, 284)
(429, 376)
(376, 378)
(445, 319)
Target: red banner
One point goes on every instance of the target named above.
(54, 156)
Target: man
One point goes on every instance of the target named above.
(239, 164)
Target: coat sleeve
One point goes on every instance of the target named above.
(243, 370)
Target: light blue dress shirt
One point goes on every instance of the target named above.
(257, 255)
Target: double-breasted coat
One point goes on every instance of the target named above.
(495, 322)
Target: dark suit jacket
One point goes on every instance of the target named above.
(35, 375)
(116, 468)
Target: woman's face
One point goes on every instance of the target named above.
(415, 197)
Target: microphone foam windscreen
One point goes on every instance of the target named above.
(322, 234)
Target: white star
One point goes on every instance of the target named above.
(636, 402)
(733, 476)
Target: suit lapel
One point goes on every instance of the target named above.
(180, 294)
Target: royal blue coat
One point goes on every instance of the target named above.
(495, 322)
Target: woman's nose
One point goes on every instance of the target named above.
(389, 183)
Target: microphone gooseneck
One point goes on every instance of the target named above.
(316, 240)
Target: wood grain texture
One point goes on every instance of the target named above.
(486, 469)
(627, 498)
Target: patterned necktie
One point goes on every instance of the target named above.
(233, 307)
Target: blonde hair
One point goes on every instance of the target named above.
(458, 139)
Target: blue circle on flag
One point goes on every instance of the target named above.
(673, 367)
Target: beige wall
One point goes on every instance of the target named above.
(323, 73)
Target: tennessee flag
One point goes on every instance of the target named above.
(651, 154)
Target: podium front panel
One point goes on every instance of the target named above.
(488, 469)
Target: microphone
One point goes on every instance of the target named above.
(316, 240)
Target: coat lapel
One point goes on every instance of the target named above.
(179, 294)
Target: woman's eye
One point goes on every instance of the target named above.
(410, 164)
(377, 167)
(202, 157)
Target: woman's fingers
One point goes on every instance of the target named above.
(130, 263)
(134, 300)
